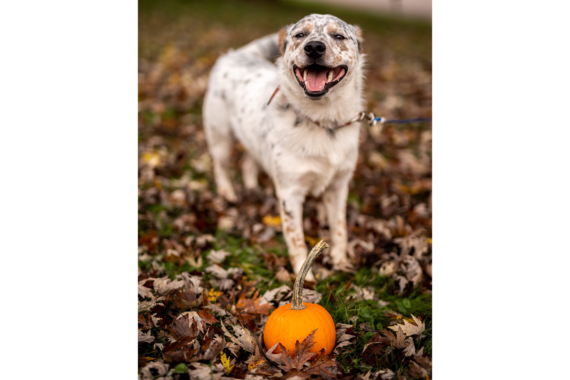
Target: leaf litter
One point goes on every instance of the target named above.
(210, 273)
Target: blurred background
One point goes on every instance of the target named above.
(179, 41)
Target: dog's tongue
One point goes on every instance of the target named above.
(316, 80)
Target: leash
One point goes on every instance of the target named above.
(371, 118)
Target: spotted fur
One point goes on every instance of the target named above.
(296, 139)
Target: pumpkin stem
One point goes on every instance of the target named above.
(300, 280)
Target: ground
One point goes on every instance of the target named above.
(210, 273)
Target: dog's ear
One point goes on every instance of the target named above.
(283, 39)
(359, 38)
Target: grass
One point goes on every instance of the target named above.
(205, 29)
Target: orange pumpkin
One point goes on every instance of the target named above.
(295, 321)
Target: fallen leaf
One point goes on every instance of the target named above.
(145, 338)
(199, 371)
(226, 363)
(193, 318)
(217, 256)
(410, 329)
(272, 221)
(207, 317)
(325, 366)
(296, 360)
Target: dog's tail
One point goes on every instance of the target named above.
(265, 47)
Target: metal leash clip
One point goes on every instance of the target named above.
(372, 119)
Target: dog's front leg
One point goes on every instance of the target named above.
(334, 198)
(291, 210)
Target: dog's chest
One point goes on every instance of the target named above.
(309, 156)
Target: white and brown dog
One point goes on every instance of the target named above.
(300, 137)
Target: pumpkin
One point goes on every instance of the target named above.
(295, 321)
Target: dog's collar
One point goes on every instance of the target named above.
(372, 119)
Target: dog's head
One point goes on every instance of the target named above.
(320, 52)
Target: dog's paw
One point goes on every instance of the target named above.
(344, 266)
(228, 193)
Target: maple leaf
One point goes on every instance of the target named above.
(410, 348)
(270, 294)
(181, 350)
(181, 328)
(251, 307)
(158, 366)
(185, 299)
(165, 285)
(199, 371)
(324, 365)
(277, 358)
(145, 338)
(247, 341)
(273, 261)
(211, 346)
(224, 278)
(409, 328)
(386, 374)
(193, 318)
(216, 309)
(144, 323)
(302, 353)
(375, 348)
(343, 340)
(144, 292)
(256, 361)
(207, 317)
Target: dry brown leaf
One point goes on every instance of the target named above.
(199, 371)
(165, 285)
(207, 317)
(323, 365)
(302, 353)
(145, 338)
(410, 329)
(159, 366)
(271, 294)
(193, 319)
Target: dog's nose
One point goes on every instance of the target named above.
(315, 49)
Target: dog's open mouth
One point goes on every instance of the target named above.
(316, 80)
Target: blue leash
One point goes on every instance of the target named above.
(404, 121)
(373, 119)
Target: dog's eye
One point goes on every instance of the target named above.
(300, 35)
(339, 37)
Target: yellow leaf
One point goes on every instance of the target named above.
(226, 363)
(428, 240)
(272, 221)
(151, 158)
(213, 295)
(311, 241)
(251, 366)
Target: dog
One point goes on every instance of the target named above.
(292, 117)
